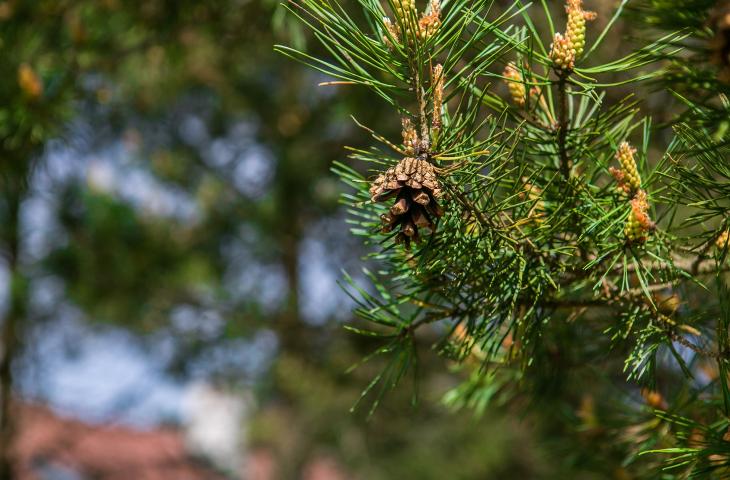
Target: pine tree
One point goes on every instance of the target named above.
(577, 239)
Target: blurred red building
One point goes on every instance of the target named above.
(50, 447)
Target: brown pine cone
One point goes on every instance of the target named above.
(415, 186)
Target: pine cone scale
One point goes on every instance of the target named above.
(400, 207)
(421, 198)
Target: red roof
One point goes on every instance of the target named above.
(46, 440)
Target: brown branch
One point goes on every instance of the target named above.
(466, 203)
(563, 122)
(698, 350)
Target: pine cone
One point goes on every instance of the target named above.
(415, 186)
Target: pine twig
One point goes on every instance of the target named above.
(563, 123)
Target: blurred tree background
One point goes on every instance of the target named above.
(166, 174)
(165, 177)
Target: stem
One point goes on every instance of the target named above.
(563, 125)
(425, 140)
(9, 336)
(425, 134)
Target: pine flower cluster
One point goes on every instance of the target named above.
(430, 22)
(562, 53)
(627, 177)
(515, 84)
(575, 32)
(639, 223)
(405, 11)
(410, 137)
(569, 47)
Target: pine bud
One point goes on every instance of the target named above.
(575, 33)
(723, 240)
(405, 11)
(654, 399)
(438, 95)
(515, 84)
(29, 82)
(628, 178)
(562, 53)
(667, 304)
(638, 225)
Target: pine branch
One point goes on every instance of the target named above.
(515, 255)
